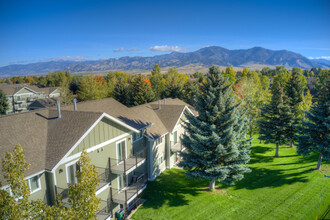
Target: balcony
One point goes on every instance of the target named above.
(129, 193)
(176, 147)
(104, 177)
(127, 165)
(64, 192)
(105, 210)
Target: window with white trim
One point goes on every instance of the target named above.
(159, 141)
(34, 183)
(175, 137)
(160, 160)
(71, 173)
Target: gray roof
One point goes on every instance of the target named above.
(46, 139)
(12, 89)
(49, 102)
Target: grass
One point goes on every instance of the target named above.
(288, 187)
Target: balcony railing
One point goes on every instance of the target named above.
(104, 176)
(176, 147)
(105, 210)
(127, 194)
(64, 192)
(125, 166)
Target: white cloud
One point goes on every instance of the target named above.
(166, 48)
(321, 57)
(132, 49)
(119, 50)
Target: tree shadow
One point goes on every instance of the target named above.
(257, 155)
(263, 177)
(171, 188)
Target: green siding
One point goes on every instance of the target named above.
(42, 193)
(139, 145)
(99, 158)
(103, 131)
(24, 91)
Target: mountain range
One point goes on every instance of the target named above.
(203, 57)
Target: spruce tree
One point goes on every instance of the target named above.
(215, 139)
(314, 134)
(140, 91)
(120, 91)
(275, 119)
(294, 91)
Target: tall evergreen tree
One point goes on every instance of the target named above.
(275, 119)
(314, 133)
(120, 91)
(140, 91)
(294, 91)
(3, 102)
(157, 82)
(215, 139)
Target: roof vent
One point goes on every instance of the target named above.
(75, 104)
(164, 100)
(158, 103)
(58, 108)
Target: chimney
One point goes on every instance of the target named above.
(158, 103)
(164, 100)
(75, 104)
(58, 108)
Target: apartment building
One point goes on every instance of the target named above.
(129, 147)
(21, 96)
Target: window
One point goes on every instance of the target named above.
(34, 183)
(159, 141)
(175, 137)
(71, 173)
(121, 151)
(159, 160)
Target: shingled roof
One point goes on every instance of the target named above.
(12, 89)
(46, 139)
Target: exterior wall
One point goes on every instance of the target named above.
(173, 159)
(56, 93)
(103, 131)
(99, 157)
(139, 145)
(42, 193)
(157, 152)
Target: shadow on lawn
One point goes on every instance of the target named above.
(257, 155)
(263, 177)
(171, 187)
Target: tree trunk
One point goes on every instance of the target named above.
(212, 184)
(291, 143)
(276, 151)
(319, 162)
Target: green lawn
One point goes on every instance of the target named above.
(277, 188)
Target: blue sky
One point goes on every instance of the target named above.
(32, 31)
